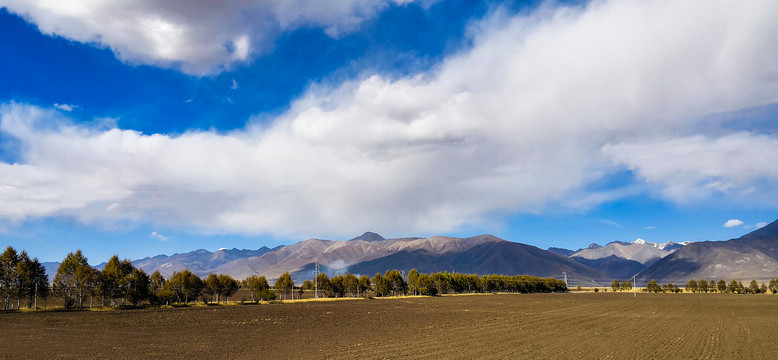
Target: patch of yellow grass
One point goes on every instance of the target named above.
(474, 294)
(400, 297)
(321, 299)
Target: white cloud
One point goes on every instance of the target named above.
(64, 107)
(760, 225)
(732, 223)
(694, 167)
(158, 236)
(651, 227)
(518, 122)
(202, 36)
(234, 85)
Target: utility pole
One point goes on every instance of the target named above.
(316, 281)
(565, 274)
(635, 284)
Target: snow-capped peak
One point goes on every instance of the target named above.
(639, 241)
(221, 249)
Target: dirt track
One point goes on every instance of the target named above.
(657, 326)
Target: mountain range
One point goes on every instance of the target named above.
(370, 253)
(752, 256)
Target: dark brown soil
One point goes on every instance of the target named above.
(659, 326)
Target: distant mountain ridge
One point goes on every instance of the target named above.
(370, 253)
(639, 250)
(621, 259)
(752, 256)
(199, 261)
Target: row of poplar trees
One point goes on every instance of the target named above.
(122, 284)
(119, 283)
(393, 283)
(22, 280)
(721, 286)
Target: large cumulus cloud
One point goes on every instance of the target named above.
(542, 105)
(196, 36)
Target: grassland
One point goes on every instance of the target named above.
(584, 325)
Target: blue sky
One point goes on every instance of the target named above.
(146, 128)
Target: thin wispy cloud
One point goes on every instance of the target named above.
(610, 222)
(158, 236)
(64, 107)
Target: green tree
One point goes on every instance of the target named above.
(773, 287)
(284, 285)
(40, 282)
(440, 282)
(307, 285)
(156, 288)
(138, 286)
(210, 288)
(337, 286)
(703, 285)
(615, 285)
(653, 287)
(413, 284)
(227, 286)
(381, 287)
(754, 287)
(256, 285)
(721, 285)
(185, 285)
(72, 278)
(322, 284)
(116, 279)
(364, 284)
(734, 287)
(426, 287)
(692, 286)
(95, 287)
(396, 283)
(22, 278)
(351, 283)
(8, 261)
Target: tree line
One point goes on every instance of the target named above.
(21, 279)
(713, 286)
(624, 285)
(120, 284)
(394, 283)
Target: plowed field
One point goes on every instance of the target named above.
(594, 326)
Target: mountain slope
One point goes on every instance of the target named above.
(639, 250)
(200, 262)
(501, 257)
(371, 253)
(614, 267)
(338, 256)
(752, 256)
(561, 251)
